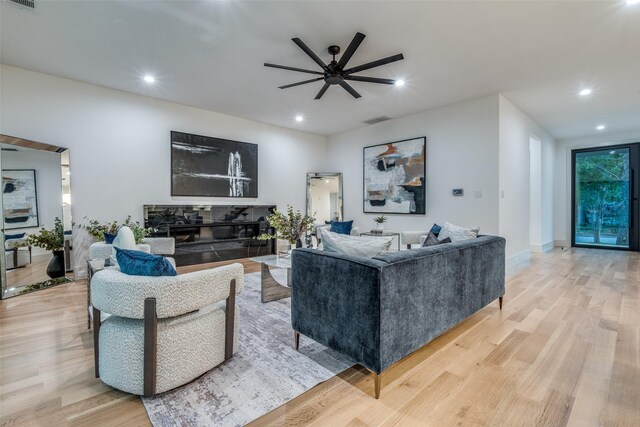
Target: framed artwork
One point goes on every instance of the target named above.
(19, 198)
(395, 177)
(213, 167)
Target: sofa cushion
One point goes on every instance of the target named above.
(138, 263)
(457, 233)
(355, 245)
(341, 227)
(432, 240)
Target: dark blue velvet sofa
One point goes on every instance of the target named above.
(379, 310)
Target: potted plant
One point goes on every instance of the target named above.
(139, 232)
(51, 240)
(290, 226)
(101, 231)
(380, 220)
(107, 231)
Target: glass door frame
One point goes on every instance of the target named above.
(634, 211)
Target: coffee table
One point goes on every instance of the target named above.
(271, 289)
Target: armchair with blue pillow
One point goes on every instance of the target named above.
(340, 227)
(17, 250)
(445, 233)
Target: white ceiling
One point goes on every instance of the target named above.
(209, 54)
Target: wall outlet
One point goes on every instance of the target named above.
(458, 192)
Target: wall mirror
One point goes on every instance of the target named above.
(36, 195)
(324, 196)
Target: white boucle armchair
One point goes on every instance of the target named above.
(163, 332)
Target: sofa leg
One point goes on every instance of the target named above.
(150, 347)
(377, 379)
(296, 340)
(96, 340)
(500, 302)
(230, 313)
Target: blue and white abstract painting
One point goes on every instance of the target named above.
(19, 198)
(394, 177)
(213, 167)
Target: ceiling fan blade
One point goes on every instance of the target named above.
(349, 89)
(301, 83)
(351, 49)
(322, 91)
(309, 52)
(370, 80)
(373, 64)
(300, 70)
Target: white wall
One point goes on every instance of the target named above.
(119, 144)
(535, 193)
(562, 193)
(462, 152)
(516, 129)
(48, 185)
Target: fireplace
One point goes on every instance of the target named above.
(210, 233)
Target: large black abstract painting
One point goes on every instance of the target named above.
(213, 167)
(394, 177)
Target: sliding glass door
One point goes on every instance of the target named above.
(605, 197)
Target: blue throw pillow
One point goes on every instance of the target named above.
(14, 236)
(341, 227)
(109, 238)
(435, 229)
(137, 263)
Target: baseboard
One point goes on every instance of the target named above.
(561, 243)
(518, 258)
(545, 247)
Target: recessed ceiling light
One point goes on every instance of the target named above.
(399, 83)
(326, 180)
(585, 92)
(600, 127)
(630, 2)
(299, 118)
(149, 79)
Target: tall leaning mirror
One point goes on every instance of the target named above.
(36, 216)
(324, 196)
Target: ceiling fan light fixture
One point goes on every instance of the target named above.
(335, 72)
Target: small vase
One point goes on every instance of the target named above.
(380, 227)
(55, 268)
(298, 243)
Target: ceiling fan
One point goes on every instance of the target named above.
(335, 72)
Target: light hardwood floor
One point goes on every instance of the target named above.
(565, 350)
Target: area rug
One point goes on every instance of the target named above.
(264, 373)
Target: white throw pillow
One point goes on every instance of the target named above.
(456, 233)
(125, 240)
(355, 245)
